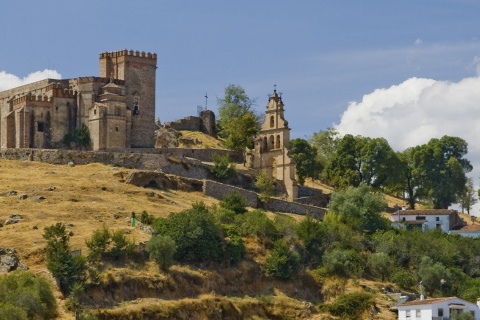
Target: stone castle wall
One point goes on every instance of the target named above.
(204, 123)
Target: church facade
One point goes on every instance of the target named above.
(118, 107)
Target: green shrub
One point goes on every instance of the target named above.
(222, 168)
(26, 296)
(235, 202)
(197, 236)
(265, 186)
(350, 305)
(256, 224)
(342, 262)
(145, 218)
(403, 278)
(234, 249)
(380, 264)
(66, 268)
(162, 250)
(121, 246)
(281, 262)
(98, 243)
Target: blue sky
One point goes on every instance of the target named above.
(406, 70)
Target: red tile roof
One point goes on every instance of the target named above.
(426, 301)
(425, 212)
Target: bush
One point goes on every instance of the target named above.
(197, 236)
(235, 202)
(234, 249)
(98, 243)
(265, 186)
(256, 224)
(341, 262)
(26, 296)
(281, 263)
(145, 218)
(222, 168)
(121, 246)
(67, 269)
(403, 278)
(350, 305)
(380, 264)
(162, 250)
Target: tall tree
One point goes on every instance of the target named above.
(343, 170)
(306, 161)
(238, 123)
(326, 142)
(444, 170)
(469, 196)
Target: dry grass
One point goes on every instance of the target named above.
(82, 197)
(204, 141)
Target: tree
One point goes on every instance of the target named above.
(326, 143)
(98, 243)
(360, 208)
(305, 157)
(469, 198)
(82, 136)
(222, 168)
(196, 235)
(443, 168)
(237, 122)
(380, 264)
(235, 202)
(431, 273)
(265, 185)
(411, 176)
(342, 170)
(162, 250)
(311, 233)
(66, 268)
(26, 296)
(281, 262)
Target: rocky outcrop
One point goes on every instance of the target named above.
(156, 179)
(167, 138)
(9, 261)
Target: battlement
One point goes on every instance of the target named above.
(58, 91)
(32, 98)
(125, 52)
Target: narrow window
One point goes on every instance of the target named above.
(440, 312)
(278, 142)
(40, 127)
(116, 128)
(117, 111)
(272, 121)
(437, 218)
(94, 111)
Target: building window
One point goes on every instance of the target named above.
(407, 313)
(438, 226)
(403, 219)
(278, 142)
(437, 218)
(420, 218)
(40, 126)
(440, 312)
(94, 111)
(116, 128)
(272, 121)
(117, 111)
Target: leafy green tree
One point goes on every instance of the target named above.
(311, 233)
(360, 208)
(222, 168)
(326, 143)
(162, 250)
(197, 236)
(305, 157)
(66, 268)
(342, 170)
(121, 246)
(469, 196)
(404, 278)
(256, 224)
(442, 166)
(234, 248)
(26, 296)
(281, 262)
(82, 136)
(235, 202)
(237, 122)
(347, 263)
(431, 273)
(98, 243)
(265, 185)
(412, 176)
(380, 264)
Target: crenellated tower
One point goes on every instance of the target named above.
(138, 70)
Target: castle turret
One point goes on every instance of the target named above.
(138, 70)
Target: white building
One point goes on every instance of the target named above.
(444, 219)
(437, 309)
(471, 231)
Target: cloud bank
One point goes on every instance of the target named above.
(8, 81)
(417, 110)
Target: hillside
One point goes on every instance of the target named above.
(87, 197)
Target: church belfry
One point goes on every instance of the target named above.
(272, 146)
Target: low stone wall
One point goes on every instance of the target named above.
(318, 201)
(219, 190)
(277, 205)
(304, 191)
(199, 154)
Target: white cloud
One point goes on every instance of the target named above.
(8, 81)
(418, 42)
(417, 110)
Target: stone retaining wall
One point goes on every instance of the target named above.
(277, 205)
(219, 190)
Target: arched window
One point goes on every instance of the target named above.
(136, 110)
(278, 142)
(272, 121)
(272, 142)
(265, 144)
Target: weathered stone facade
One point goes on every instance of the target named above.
(272, 147)
(204, 123)
(118, 107)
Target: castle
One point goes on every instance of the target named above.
(118, 107)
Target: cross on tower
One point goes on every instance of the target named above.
(275, 87)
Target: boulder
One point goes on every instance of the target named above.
(167, 138)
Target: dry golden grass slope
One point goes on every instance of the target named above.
(82, 197)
